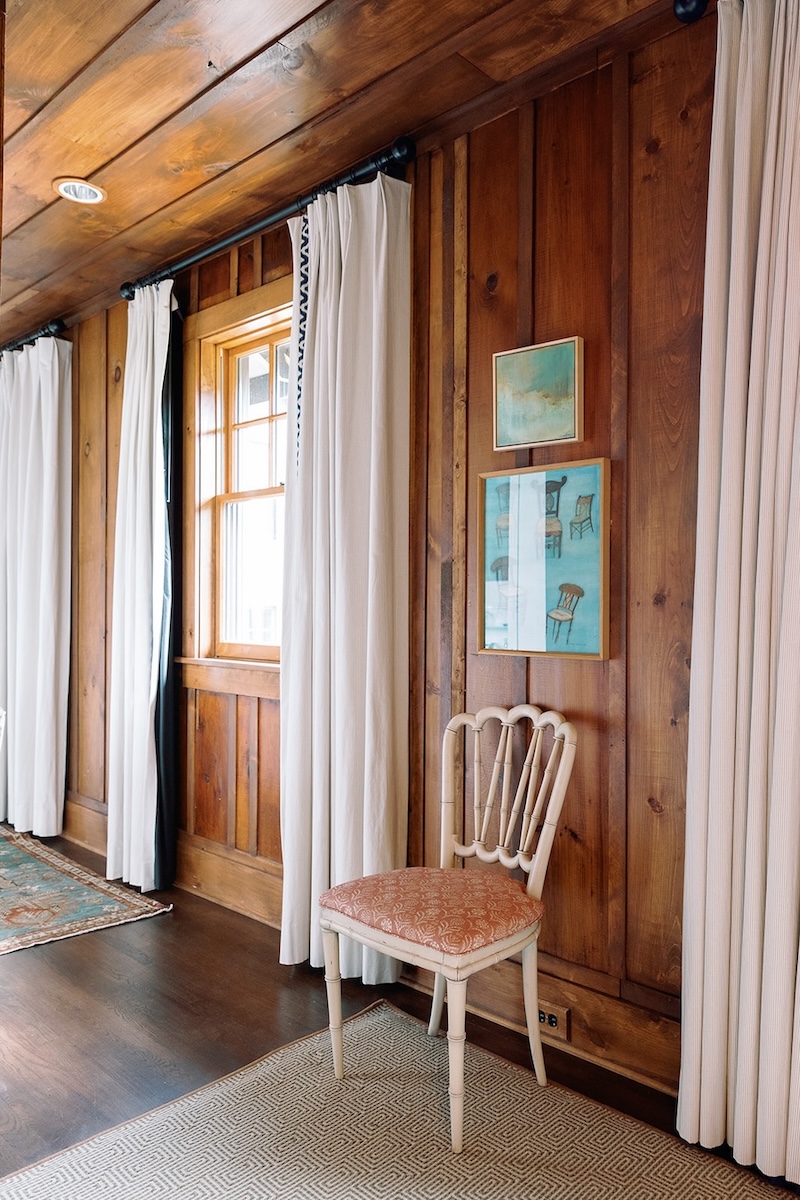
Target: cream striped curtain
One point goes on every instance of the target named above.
(740, 1070)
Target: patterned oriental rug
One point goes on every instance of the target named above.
(44, 896)
(284, 1128)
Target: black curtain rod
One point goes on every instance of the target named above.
(401, 151)
(51, 329)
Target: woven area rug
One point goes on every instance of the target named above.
(284, 1128)
(45, 896)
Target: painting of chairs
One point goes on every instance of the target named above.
(542, 593)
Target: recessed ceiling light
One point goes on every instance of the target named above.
(79, 190)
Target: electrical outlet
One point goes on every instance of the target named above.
(554, 1022)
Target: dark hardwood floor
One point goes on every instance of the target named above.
(98, 1028)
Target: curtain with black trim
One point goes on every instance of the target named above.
(168, 697)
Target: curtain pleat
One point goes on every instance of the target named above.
(344, 655)
(35, 572)
(740, 1063)
(137, 621)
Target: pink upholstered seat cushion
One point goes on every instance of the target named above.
(452, 910)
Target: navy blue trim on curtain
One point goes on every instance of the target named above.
(168, 763)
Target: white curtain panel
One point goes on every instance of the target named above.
(740, 1068)
(344, 657)
(35, 571)
(138, 594)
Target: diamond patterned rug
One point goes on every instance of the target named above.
(284, 1128)
(45, 896)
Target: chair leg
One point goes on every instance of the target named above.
(530, 991)
(456, 1037)
(333, 986)
(437, 1004)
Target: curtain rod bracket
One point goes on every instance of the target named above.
(403, 150)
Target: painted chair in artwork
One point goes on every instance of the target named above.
(563, 614)
(503, 492)
(469, 912)
(550, 527)
(583, 516)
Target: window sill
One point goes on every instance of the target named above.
(240, 677)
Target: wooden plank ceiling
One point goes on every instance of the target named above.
(199, 118)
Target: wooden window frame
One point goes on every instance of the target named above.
(207, 334)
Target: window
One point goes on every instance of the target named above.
(236, 370)
(254, 383)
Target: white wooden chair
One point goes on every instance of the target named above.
(456, 920)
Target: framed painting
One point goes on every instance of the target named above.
(543, 560)
(538, 395)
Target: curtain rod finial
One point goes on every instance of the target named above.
(404, 149)
(688, 11)
(127, 291)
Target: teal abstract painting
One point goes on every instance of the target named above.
(538, 394)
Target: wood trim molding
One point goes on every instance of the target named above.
(252, 887)
(85, 823)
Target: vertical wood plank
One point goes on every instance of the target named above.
(246, 767)
(90, 621)
(458, 602)
(212, 771)
(436, 652)
(615, 810)
(671, 99)
(252, 777)
(233, 268)
(526, 683)
(115, 382)
(258, 262)
(276, 252)
(214, 281)
(231, 789)
(190, 771)
(494, 286)
(572, 276)
(269, 779)
(421, 200)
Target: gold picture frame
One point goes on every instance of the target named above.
(538, 395)
(543, 551)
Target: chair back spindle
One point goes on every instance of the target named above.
(524, 811)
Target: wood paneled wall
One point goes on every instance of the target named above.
(575, 209)
(579, 212)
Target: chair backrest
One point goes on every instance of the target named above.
(569, 595)
(552, 495)
(583, 507)
(514, 824)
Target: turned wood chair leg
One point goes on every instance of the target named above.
(437, 1004)
(530, 991)
(456, 1037)
(333, 986)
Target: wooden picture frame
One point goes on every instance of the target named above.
(543, 550)
(538, 395)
